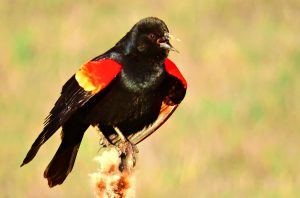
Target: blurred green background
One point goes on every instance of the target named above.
(236, 134)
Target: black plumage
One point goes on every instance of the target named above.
(138, 100)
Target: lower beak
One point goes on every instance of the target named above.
(165, 43)
(168, 46)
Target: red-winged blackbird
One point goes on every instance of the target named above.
(133, 88)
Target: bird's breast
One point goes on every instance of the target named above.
(142, 80)
(135, 97)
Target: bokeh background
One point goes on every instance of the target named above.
(236, 134)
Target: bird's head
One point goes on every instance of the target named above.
(149, 37)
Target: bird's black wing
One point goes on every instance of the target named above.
(92, 77)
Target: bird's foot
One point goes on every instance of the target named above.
(128, 153)
(103, 142)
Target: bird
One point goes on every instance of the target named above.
(127, 93)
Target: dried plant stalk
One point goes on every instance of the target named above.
(115, 177)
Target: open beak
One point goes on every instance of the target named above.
(164, 42)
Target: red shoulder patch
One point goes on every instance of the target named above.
(96, 75)
(172, 69)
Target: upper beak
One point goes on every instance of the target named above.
(164, 42)
(171, 37)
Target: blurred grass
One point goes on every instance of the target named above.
(235, 135)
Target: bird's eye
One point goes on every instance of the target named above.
(152, 36)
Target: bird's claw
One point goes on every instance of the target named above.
(128, 153)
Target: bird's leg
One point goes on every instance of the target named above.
(128, 151)
(103, 141)
(123, 139)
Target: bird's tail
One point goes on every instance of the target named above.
(63, 161)
(61, 164)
